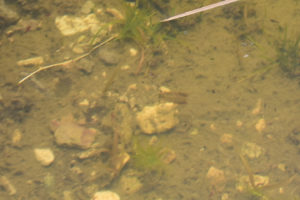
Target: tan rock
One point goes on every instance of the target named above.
(239, 123)
(260, 125)
(133, 52)
(244, 182)
(35, 61)
(216, 178)
(44, 156)
(226, 138)
(69, 133)
(16, 138)
(106, 195)
(70, 25)
(252, 150)
(158, 118)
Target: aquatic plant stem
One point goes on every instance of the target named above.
(139, 68)
(68, 61)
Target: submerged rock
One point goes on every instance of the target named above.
(244, 182)
(216, 178)
(106, 195)
(68, 133)
(7, 16)
(73, 135)
(252, 150)
(70, 25)
(158, 118)
(44, 156)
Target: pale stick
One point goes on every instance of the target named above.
(67, 61)
(198, 10)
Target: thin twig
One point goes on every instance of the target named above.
(198, 10)
(67, 61)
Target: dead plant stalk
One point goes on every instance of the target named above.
(42, 68)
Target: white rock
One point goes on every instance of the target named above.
(31, 61)
(158, 118)
(106, 195)
(70, 25)
(44, 156)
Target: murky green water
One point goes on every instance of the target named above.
(233, 73)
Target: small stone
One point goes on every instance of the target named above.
(16, 138)
(73, 135)
(132, 87)
(125, 67)
(281, 190)
(158, 118)
(164, 89)
(212, 127)
(226, 139)
(239, 123)
(106, 195)
(84, 102)
(44, 156)
(282, 167)
(70, 25)
(244, 182)
(35, 61)
(260, 125)
(252, 150)
(133, 52)
(216, 178)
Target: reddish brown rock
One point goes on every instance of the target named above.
(69, 133)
